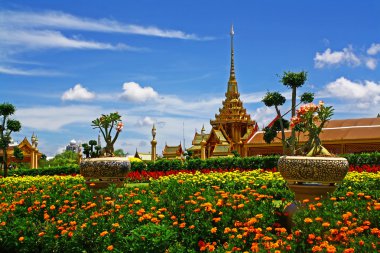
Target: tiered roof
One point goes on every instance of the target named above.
(334, 130)
(233, 109)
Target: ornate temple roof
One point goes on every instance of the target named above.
(172, 151)
(233, 109)
(334, 130)
(143, 156)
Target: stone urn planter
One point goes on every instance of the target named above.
(101, 172)
(310, 177)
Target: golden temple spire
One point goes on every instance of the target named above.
(232, 84)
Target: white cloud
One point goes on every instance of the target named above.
(135, 93)
(363, 95)
(264, 115)
(53, 118)
(42, 39)
(30, 72)
(374, 49)
(60, 20)
(146, 121)
(371, 63)
(78, 93)
(329, 58)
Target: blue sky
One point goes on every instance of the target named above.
(62, 64)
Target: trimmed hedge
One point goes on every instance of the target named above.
(363, 158)
(48, 171)
(252, 162)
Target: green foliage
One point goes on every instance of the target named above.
(7, 126)
(293, 80)
(91, 149)
(17, 152)
(66, 158)
(273, 99)
(363, 158)
(151, 238)
(106, 123)
(269, 134)
(120, 153)
(307, 97)
(48, 171)
(277, 125)
(236, 154)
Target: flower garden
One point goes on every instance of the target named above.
(216, 211)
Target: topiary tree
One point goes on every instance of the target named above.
(91, 149)
(106, 123)
(7, 127)
(294, 81)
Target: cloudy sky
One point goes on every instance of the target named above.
(62, 64)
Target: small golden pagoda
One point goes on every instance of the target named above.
(173, 152)
(231, 126)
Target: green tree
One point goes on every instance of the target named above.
(106, 123)
(293, 80)
(270, 132)
(7, 127)
(120, 153)
(64, 158)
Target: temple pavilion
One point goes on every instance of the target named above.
(29, 150)
(231, 126)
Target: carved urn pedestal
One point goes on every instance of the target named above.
(101, 172)
(310, 177)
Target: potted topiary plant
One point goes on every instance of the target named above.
(309, 169)
(101, 165)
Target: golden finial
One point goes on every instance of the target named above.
(232, 70)
(232, 84)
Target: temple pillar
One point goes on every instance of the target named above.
(153, 150)
(32, 157)
(154, 144)
(203, 149)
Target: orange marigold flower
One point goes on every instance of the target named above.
(319, 219)
(213, 230)
(41, 234)
(227, 230)
(104, 233)
(52, 207)
(21, 239)
(325, 224)
(308, 220)
(110, 248)
(330, 249)
(191, 227)
(316, 249)
(182, 225)
(217, 219)
(349, 250)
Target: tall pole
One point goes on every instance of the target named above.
(203, 144)
(154, 144)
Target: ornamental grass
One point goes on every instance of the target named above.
(215, 212)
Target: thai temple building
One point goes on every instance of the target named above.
(143, 156)
(173, 152)
(29, 150)
(234, 130)
(232, 125)
(338, 137)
